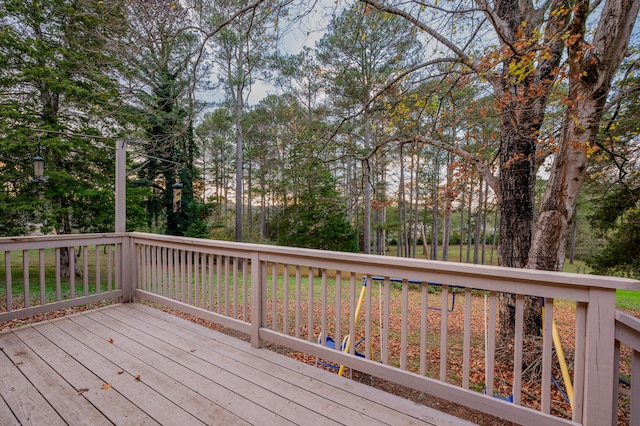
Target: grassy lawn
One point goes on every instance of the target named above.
(628, 300)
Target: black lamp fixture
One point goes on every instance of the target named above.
(38, 168)
(177, 197)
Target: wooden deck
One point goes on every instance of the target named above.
(132, 364)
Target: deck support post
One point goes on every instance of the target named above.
(256, 299)
(127, 262)
(599, 357)
(121, 186)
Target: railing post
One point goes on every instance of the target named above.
(128, 261)
(599, 357)
(121, 186)
(256, 299)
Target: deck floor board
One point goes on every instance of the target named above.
(132, 364)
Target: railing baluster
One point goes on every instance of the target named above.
(245, 289)
(163, 270)
(211, 285)
(236, 264)
(154, 267)
(142, 270)
(190, 274)
(42, 266)
(466, 346)
(424, 294)
(171, 273)
(338, 329)
(175, 280)
(219, 283)
(8, 284)
(85, 268)
(25, 278)
(310, 305)
(367, 319)
(183, 275)
(386, 321)
(98, 277)
(227, 307)
(491, 344)
(196, 274)
(72, 271)
(58, 280)
(518, 348)
(444, 332)
(403, 324)
(274, 296)
(352, 312)
(285, 300)
(298, 299)
(547, 347)
(323, 314)
(203, 281)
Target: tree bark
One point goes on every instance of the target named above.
(591, 73)
(434, 228)
(446, 234)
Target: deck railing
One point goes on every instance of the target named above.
(34, 280)
(628, 335)
(431, 326)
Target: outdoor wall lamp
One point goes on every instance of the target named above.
(177, 197)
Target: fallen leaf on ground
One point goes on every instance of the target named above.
(138, 378)
(82, 390)
(110, 340)
(120, 372)
(106, 386)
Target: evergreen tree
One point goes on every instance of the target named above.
(317, 220)
(160, 53)
(57, 74)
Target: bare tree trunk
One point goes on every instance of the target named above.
(476, 237)
(446, 234)
(402, 210)
(484, 221)
(249, 198)
(366, 178)
(425, 247)
(239, 165)
(469, 231)
(434, 220)
(416, 230)
(590, 77)
(409, 210)
(464, 190)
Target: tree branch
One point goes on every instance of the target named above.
(477, 163)
(492, 77)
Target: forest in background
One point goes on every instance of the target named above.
(375, 135)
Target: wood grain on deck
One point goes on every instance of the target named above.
(132, 364)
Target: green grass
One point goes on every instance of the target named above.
(628, 299)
